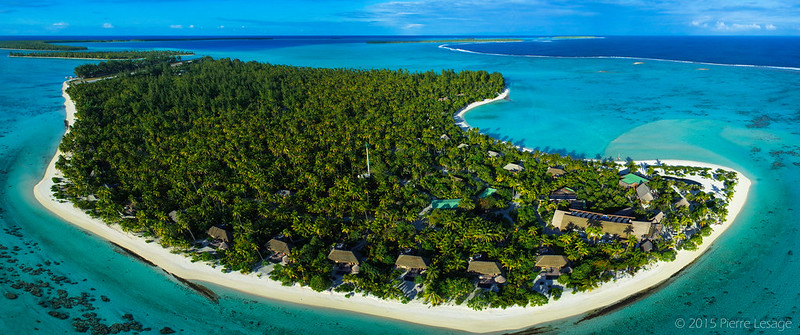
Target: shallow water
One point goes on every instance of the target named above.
(740, 117)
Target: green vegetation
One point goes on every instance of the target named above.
(157, 64)
(455, 40)
(131, 54)
(268, 150)
(38, 45)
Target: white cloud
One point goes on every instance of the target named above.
(221, 27)
(176, 26)
(770, 27)
(108, 25)
(191, 26)
(60, 24)
(413, 26)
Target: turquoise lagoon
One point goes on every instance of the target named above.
(741, 117)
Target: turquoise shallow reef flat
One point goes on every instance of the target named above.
(742, 117)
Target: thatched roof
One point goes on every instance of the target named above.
(513, 167)
(279, 247)
(463, 145)
(551, 261)
(658, 217)
(646, 246)
(484, 268)
(564, 193)
(494, 153)
(682, 203)
(555, 171)
(643, 193)
(343, 256)
(220, 234)
(622, 226)
(411, 262)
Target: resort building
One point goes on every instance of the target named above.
(555, 172)
(463, 145)
(494, 154)
(445, 203)
(646, 246)
(613, 225)
(221, 234)
(563, 194)
(280, 249)
(551, 264)
(644, 193)
(414, 265)
(487, 192)
(345, 261)
(681, 203)
(632, 180)
(513, 167)
(489, 273)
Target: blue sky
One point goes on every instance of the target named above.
(398, 17)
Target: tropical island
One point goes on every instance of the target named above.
(104, 55)
(452, 40)
(356, 181)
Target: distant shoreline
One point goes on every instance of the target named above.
(446, 316)
(456, 40)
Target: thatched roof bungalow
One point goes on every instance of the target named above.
(343, 257)
(644, 193)
(484, 268)
(555, 172)
(219, 233)
(551, 261)
(411, 262)
(279, 247)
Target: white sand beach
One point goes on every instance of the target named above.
(453, 317)
(459, 116)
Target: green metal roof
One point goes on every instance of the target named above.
(445, 203)
(487, 192)
(631, 178)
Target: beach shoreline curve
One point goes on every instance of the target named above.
(446, 316)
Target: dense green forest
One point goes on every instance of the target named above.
(146, 65)
(269, 150)
(130, 54)
(38, 45)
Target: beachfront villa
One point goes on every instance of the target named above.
(552, 264)
(613, 225)
(632, 180)
(414, 266)
(221, 234)
(489, 273)
(280, 250)
(345, 261)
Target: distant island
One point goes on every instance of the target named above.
(456, 40)
(103, 55)
(49, 45)
(359, 182)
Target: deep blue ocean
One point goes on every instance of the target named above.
(733, 101)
